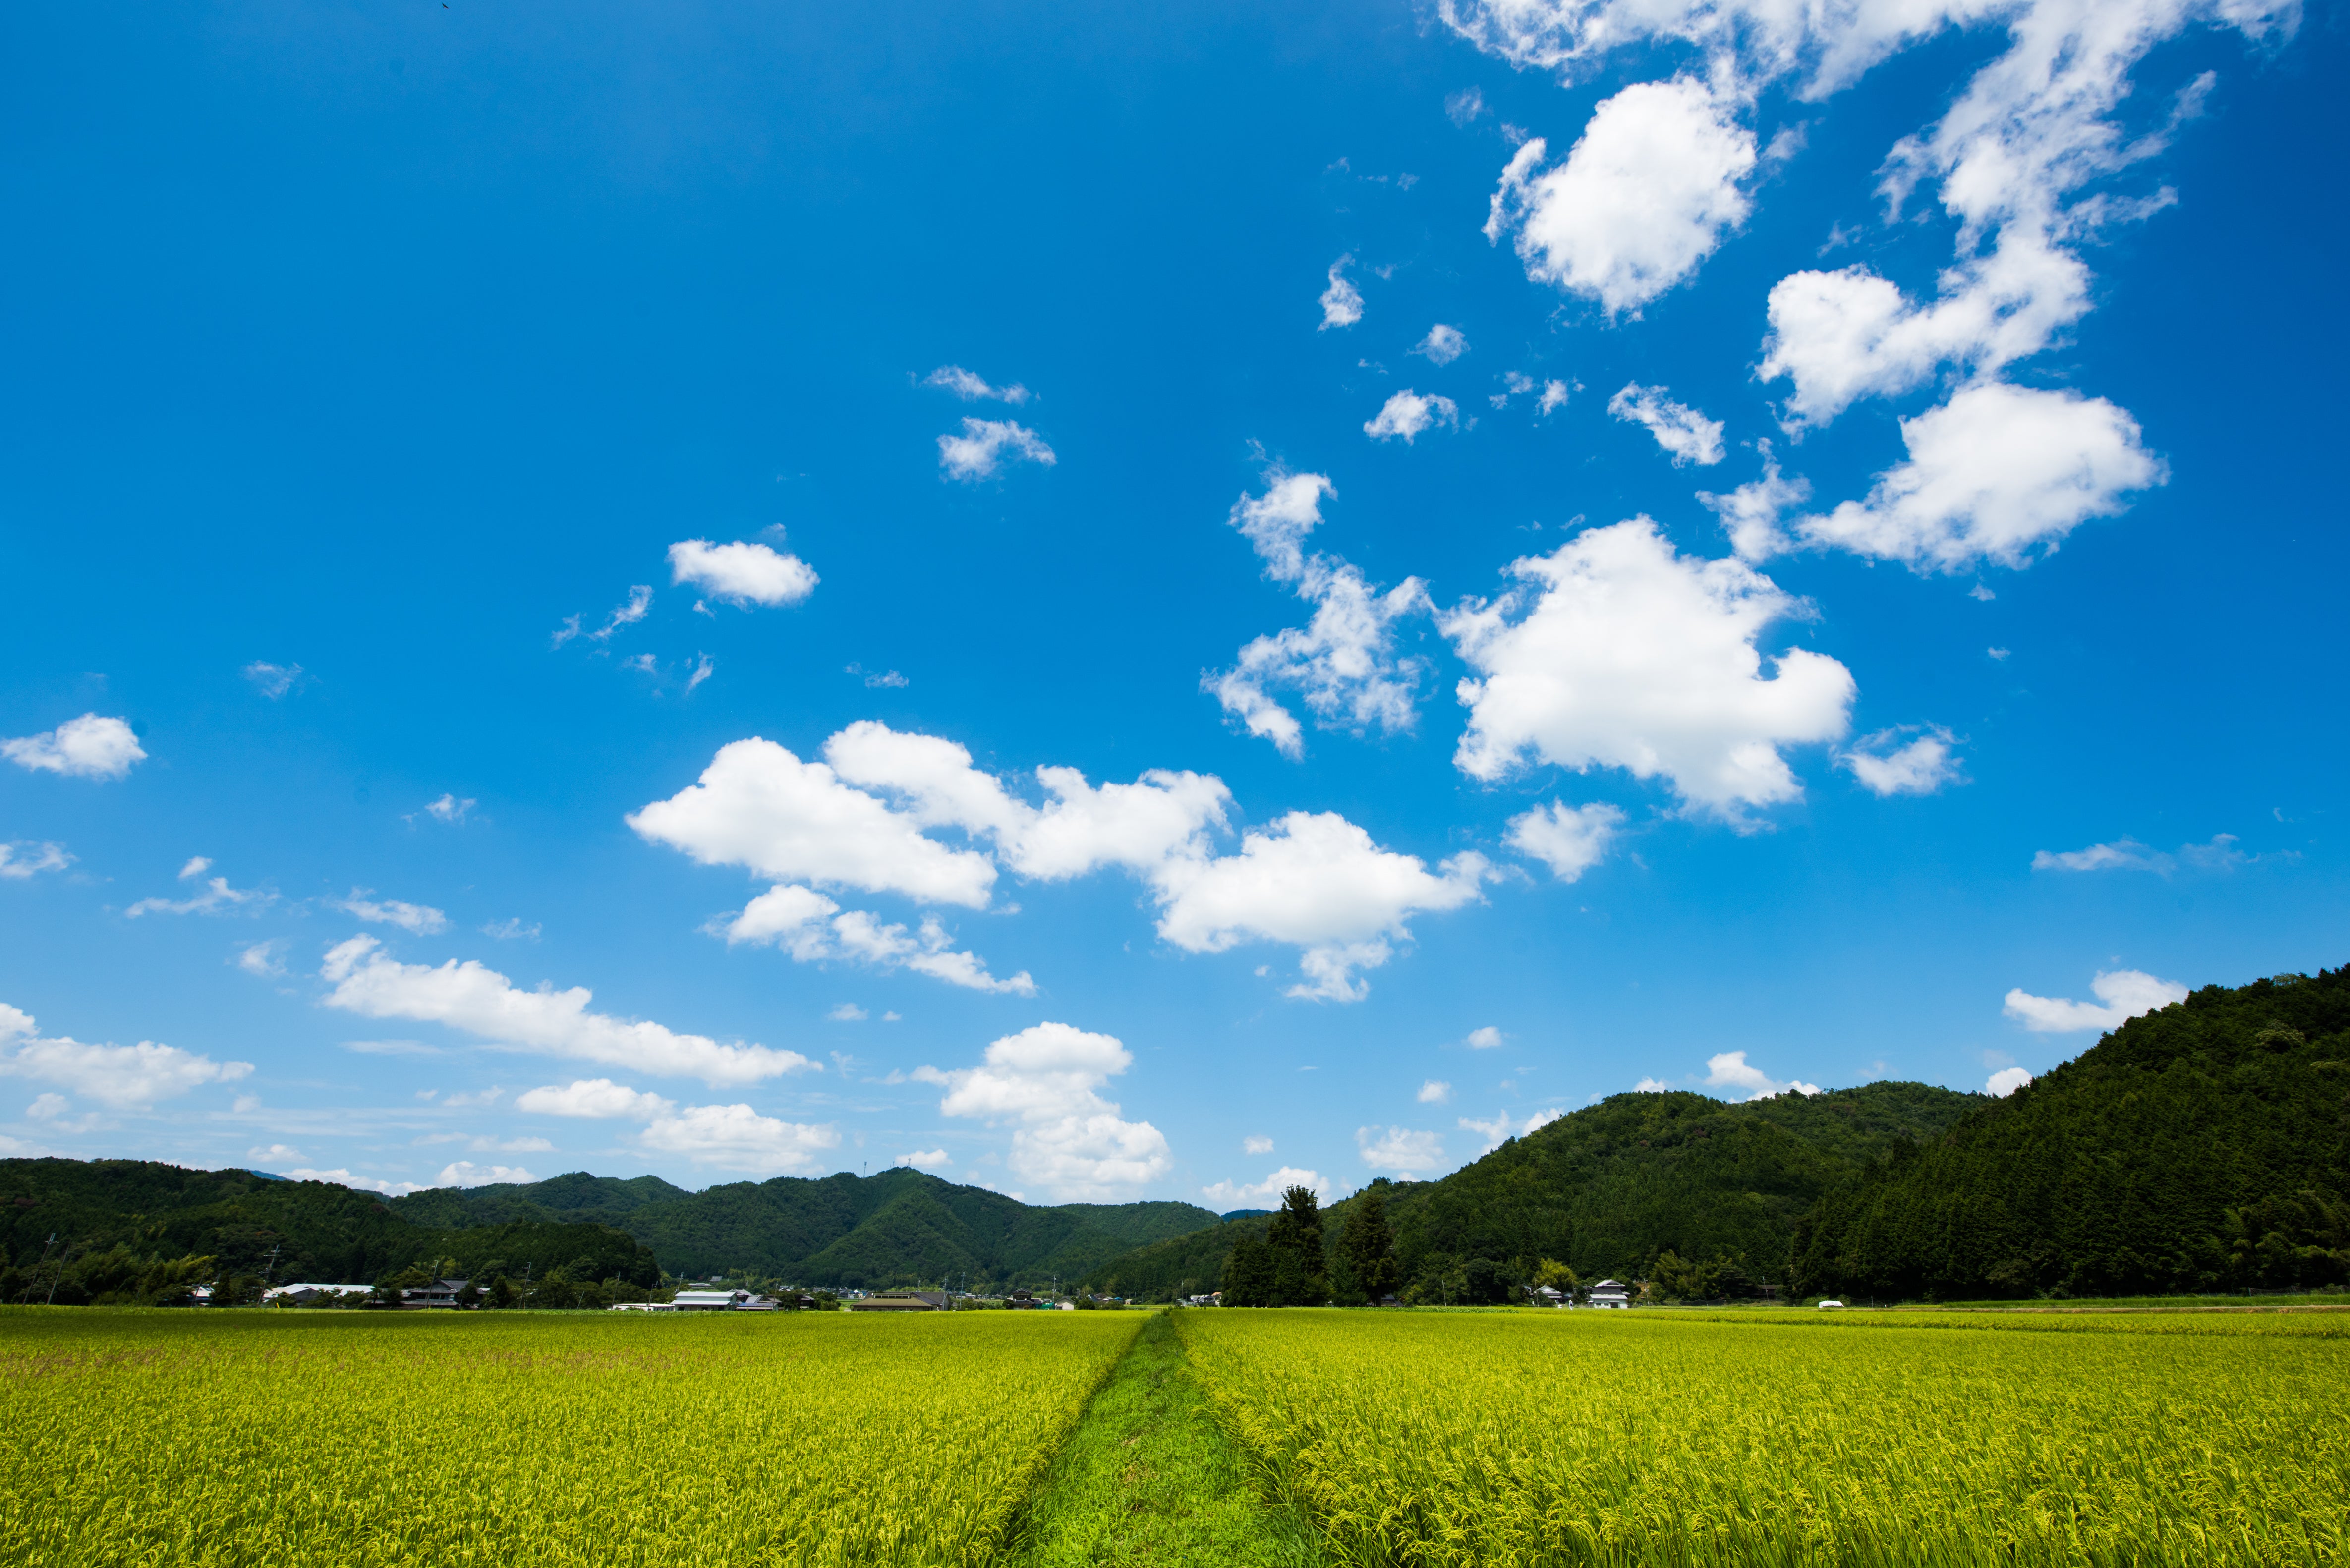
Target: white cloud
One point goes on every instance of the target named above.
(640, 603)
(1256, 1146)
(1647, 193)
(465, 1173)
(273, 680)
(218, 897)
(1435, 1092)
(1342, 302)
(1443, 345)
(276, 1152)
(23, 859)
(804, 924)
(449, 809)
(1344, 662)
(848, 1012)
(341, 1176)
(1554, 396)
(1730, 1069)
(1265, 1194)
(1045, 1082)
(599, 1097)
(1499, 1128)
(1487, 1038)
(1993, 474)
(972, 388)
(55, 1112)
(2125, 992)
(926, 1158)
(1400, 1149)
(1626, 654)
(741, 574)
(122, 1076)
(481, 1001)
(1465, 106)
(1920, 766)
(420, 918)
(512, 929)
(1318, 881)
(89, 747)
(1652, 1086)
(1687, 435)
(2123, 855)
(985, 444)
(261, 958)
(1750, 515)
(1406, 414)
(737, 1138)
(758, 806)
(1570, 840)
(2006, 1081)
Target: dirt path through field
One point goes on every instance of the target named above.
(1149, 1478)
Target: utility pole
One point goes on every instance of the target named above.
(61, 1272)
(39, 1266)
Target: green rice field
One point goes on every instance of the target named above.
(1421, 1438)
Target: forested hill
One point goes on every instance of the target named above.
(900, 1227)
(2203, 1146)
(137, 1208)
(1607, 1188)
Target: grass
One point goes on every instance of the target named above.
(599, 1440)
(1861, 1440)
(1150, 1478)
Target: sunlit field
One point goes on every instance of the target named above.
(433, 1439)
(1910, 1439)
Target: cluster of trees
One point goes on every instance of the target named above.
(119, 1275)
(1290, 1265)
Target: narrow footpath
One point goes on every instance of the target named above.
(1149, 1477)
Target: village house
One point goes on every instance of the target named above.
(1614, 1293)
(905, 1300)
(439, 1293)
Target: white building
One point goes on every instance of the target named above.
(1613, 1294)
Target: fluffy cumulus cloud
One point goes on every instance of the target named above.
(1994, 475)
(1408, 414)
(973, 387)
(1684, 433)
(1644, 195)
(740, 574)
(737, 1138)
(1750, 514)
(123, 1077)
(1617, 651)
(1730, 1069)
(2122, 994)
(860, 817)
(341, 1176)
(927, 1159)
(90, 747)
(598, 1097)
(422, 918)
(1887, 763)
(1265, 1194)
(1568, 839)
(812, 929)
(986, 445)
(1403, 1150)
(1046, 1083)
(1317, 881)
(478, 1000)
(23, 860)
(1443, 345)
(1487, 1038)
(273, 680)
(1343, 663)
(760, 807)
(2006, 1081)
(1342, 302)
(1435, 1092)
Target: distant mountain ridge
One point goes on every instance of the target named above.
(1606, 1189)
(898, 1227)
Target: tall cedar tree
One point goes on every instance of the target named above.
(1367, 1246)
(1296, 1237)
(1248, 1274)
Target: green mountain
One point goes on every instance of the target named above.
(140, 1209)
(896, 1228)
(2203, 1146)
(1607, 1188)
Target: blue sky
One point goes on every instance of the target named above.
(1542, 550)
